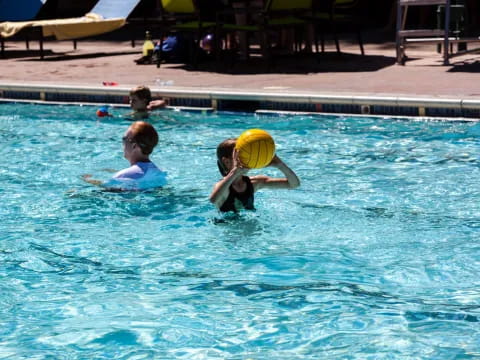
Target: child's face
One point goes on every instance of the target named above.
(227, 163)
(127, 144)
(137, 103)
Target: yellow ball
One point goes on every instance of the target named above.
(256, 148)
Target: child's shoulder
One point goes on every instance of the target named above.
(137, 115)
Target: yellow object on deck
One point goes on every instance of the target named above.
(65, 29)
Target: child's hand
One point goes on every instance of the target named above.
(156, 104)
(237, 164)
(88, 178)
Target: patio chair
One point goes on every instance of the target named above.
(183, 16)
(106, 16)
(276, 15)
(338, 16)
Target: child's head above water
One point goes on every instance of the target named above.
(140, 97)
(144, 135)
(225, 150)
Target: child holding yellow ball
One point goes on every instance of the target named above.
(236, 190)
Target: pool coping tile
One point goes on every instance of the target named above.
(252, 101)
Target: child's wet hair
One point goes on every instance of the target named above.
(225, 149)
(145, 135)
(142, 92)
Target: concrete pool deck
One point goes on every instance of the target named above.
(374, 79)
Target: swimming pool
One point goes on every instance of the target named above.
(375, 256)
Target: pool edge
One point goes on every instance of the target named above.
(253, 101)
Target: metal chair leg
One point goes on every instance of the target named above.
(42, 55)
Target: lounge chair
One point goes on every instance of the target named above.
(19, 10)
(24, 10)
(106, 16)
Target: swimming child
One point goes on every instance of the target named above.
(141, 102)
(236, 190)
(138, 143)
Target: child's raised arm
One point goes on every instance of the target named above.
(290, 181)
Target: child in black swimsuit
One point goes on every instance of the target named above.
(236, 190)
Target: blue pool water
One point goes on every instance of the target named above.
(375, 256)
